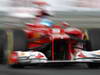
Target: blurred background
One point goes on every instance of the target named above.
(81, 13)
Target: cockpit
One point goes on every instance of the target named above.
(46, 22)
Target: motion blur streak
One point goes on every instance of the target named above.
(16, 12)
(55, 4)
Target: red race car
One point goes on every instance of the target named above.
(46, 42)
(40, 44)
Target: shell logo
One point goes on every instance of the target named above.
(22, 54)
(98, 53)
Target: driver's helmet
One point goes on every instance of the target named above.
(46, 22)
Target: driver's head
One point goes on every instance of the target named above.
(47, 22)
(42, 13)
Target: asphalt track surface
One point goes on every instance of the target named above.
(76, 69)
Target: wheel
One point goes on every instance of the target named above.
(93, 43)
(86, 44)
(19, 40)
(3, 46)
(11, 40)
(93, 38)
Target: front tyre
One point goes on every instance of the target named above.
(93, 44)
(3, 46)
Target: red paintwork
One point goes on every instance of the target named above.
(41, 34)
(82, 55)
(40, 3)
(39, 56)
(49, 35)
(37, 31)
(13, 58)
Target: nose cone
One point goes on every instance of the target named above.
(59, 36)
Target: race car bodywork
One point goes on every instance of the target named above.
(37, 44)
(88, 55)
(49, 43)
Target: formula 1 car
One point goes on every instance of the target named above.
(49, 43)
(40, 44)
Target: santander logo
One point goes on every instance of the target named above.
(39, 56)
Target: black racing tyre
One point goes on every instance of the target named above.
(93, 42)
(19, 40)
(3, 46)
(87, 46)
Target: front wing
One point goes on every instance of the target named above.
(38, 57)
